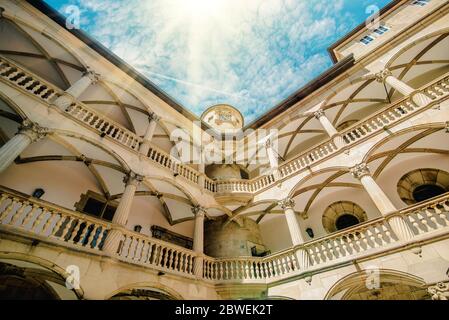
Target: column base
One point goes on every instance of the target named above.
(303, 259)
(112, 242)
(401, 229)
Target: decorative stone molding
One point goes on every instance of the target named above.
(288, 203)
(199, 211)
(360, 170)
(2, 11)
(440, 291)
(318, 114)
(34, 131)
(93, 76)
(133, 179)
(382, 75)
(153, 117)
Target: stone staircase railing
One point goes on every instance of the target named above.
(373, 124)
(39, 219)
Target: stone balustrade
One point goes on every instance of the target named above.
(37, 219)
(104, 126)
(40, 218)
(26, 80)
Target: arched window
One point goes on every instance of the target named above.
(341, 215)
(422, 184)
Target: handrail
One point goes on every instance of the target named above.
(40, 218)
(104, 126)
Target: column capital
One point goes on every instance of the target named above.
(318, 114)
(198, 211)
(152, 116)
(34, 131)
(382, 75)
(133, 179)
(287, 203)
(440, 291)
(360, 170)
(93, 76)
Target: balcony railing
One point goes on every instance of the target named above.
(397, 112)
(42, 220)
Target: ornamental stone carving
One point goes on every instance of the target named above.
(360, 170)
(318, 114)
(153, 117)
(93, 76)
(198, 211)
(34, 131)
(2, 11)
(288, 203)
(382, 75)
(133, 179)
(439, 291)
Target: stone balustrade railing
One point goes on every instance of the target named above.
(26, 80)
(40, 219)
(146, 251)
(44, 219)
(399, 111)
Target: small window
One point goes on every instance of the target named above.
(346, 221)
(420, 3)
(381, 30)
(366, 40)
(96, 205)
(427, 191)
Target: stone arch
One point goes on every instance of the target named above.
(380, 280)
(49, 265)
(148, 286)
(372, 150)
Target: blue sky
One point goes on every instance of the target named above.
(248, 53)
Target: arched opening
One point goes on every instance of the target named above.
(346, 220)
(143, 294)
(427, 191)
(423, 184)
(23, 280)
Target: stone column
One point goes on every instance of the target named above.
(198, 239)
(380, 199)
(272, 158)
(76, 90)
(145, 146)
(295, 232)
(329, 128)
(385, 76)
(121, 215)
(29, 132)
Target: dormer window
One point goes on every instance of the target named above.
(420, 3)
(366, 40)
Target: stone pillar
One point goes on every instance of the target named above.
(145, 146)
(29, 132)
(121, 215)
(385, 76)
(295, 232)
(272, 158)
(329, 128)
(202, 171)
(380, 199)
(198, 239)
(76, 90)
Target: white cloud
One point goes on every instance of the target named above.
(251, 54)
